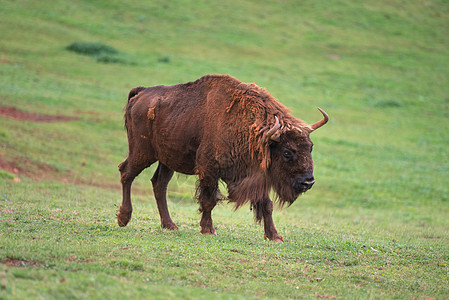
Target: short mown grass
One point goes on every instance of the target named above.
(375, 224)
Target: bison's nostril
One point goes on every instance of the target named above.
(302, 186)
(308, 184)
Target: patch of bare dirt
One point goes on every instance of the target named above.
(28, 168)
(15, 113)
(24, 167)
(20, 263)
(74, 258)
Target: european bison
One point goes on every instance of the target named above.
(217, 128)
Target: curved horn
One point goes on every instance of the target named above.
(322, 122)
(273, 130)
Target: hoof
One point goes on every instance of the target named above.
(170, 226)
(275, 238)
(123, 217)
(208, 231)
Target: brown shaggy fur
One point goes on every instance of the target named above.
(217, 128)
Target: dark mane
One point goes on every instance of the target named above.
(254, 104)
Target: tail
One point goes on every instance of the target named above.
(131, 94)
(135, 91)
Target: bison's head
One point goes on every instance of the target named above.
(291, 169)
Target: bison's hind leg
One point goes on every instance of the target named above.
(160, 182)
(125, 210)
(128, 170)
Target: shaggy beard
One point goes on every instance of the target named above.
(285, 194)
(256, 188)
(252, 189)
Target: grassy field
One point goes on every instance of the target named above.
(374, 226)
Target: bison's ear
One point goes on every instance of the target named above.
(272, 145)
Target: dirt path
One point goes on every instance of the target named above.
(15, 113)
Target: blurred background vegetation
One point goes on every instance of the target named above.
(379, 69)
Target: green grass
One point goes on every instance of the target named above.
(375, 225)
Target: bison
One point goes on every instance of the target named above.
(218, 128)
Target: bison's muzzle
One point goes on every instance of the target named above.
(301, 186)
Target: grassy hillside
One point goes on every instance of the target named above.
(375, 225)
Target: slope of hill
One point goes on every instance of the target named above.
(375, 224)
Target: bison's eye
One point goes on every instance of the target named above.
(287, 154)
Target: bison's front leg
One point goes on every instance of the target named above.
(264, 210)
(207, 199)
